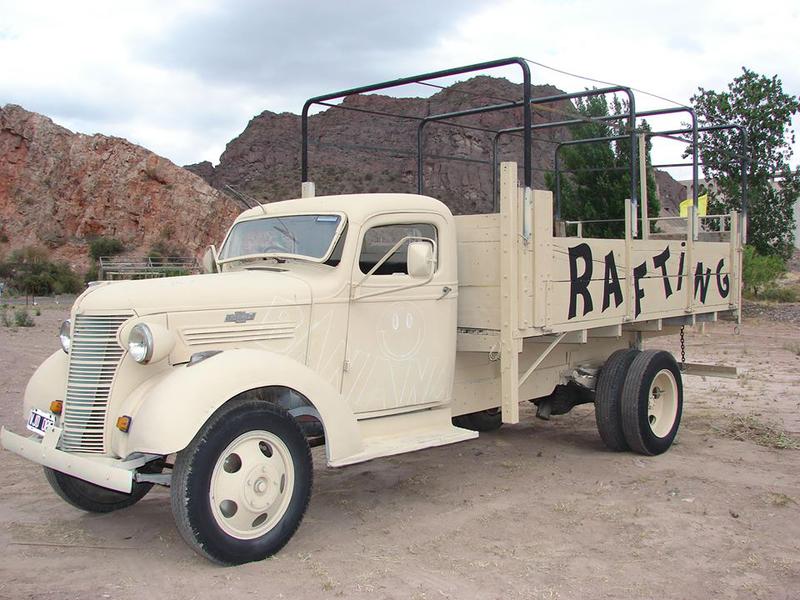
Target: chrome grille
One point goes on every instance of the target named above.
(93, 360)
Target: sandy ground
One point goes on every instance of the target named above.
(536, 510)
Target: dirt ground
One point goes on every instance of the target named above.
(536, 510)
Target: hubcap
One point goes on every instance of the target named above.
(251, 484)
(662, 403)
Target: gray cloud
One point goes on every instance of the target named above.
(310, 46)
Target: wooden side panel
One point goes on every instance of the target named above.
(478, 271)
(592, 282)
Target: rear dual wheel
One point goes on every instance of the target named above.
(639, 401)
(652, 402)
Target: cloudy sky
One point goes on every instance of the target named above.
(182, 78)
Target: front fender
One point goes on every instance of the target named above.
(171, 407)
(48, 383)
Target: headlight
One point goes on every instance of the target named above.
(140, 343)
(63, 336)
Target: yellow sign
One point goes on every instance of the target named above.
(702, 206)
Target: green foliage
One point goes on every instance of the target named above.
(164, 249)
(22, 318)
(93, 274)
(758, 104)
(602, 180)
(105, 246)
(4, 318)
(774, 293)
(760, 270)
(30, 271)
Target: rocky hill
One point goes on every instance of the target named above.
(59, 189)
(351, 151)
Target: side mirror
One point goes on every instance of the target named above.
(210, 260)
(421, 261)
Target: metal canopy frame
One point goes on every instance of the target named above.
(527, 128)
(671, 134)
(485, 66)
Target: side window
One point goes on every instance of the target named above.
(379, 240)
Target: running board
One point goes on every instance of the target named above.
(398, 434)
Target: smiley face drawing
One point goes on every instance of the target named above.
(401, 331)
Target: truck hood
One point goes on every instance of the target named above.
(240, 289)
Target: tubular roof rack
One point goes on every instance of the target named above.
(526, 102)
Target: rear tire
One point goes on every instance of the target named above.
(608, 398)
(90, 497)
(241, 487)
(652, 402)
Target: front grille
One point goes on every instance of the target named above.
(93, 360)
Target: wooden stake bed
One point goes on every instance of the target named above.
(520, 283)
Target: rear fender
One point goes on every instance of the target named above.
(171, 407)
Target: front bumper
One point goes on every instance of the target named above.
(104, 471)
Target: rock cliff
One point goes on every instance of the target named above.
(351, 151)
(60, 189)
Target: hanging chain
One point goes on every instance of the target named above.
(683, 351)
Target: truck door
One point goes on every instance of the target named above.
(401, 329)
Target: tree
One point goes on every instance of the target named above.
(599, 179)
(758, 104)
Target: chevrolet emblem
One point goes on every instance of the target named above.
(240, 317)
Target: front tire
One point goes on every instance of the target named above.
(90, 497)
(652, 402)
(241, 487)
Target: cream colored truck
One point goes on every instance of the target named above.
(372, 323)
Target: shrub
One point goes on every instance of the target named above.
(29, 271)
(93, 274)
(164, 249)
(105, 246)
(760, 270)
(22, 318)
(775, 293)
(4, 319)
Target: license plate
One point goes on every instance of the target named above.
(41, 422)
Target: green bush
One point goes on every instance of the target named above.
(22, 318)
(163, 249)
(775, 293)
(759, 271)
(105, 246)
(30, 271)
(4, 319)
(93, 274)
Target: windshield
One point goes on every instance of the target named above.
(310, 236)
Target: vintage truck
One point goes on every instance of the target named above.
(376, 324)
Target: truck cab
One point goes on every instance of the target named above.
(340, 312)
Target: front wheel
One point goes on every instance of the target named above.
(241, 487)
(652, 402)
(90, 497)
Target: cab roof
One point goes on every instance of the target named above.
(357, 207)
